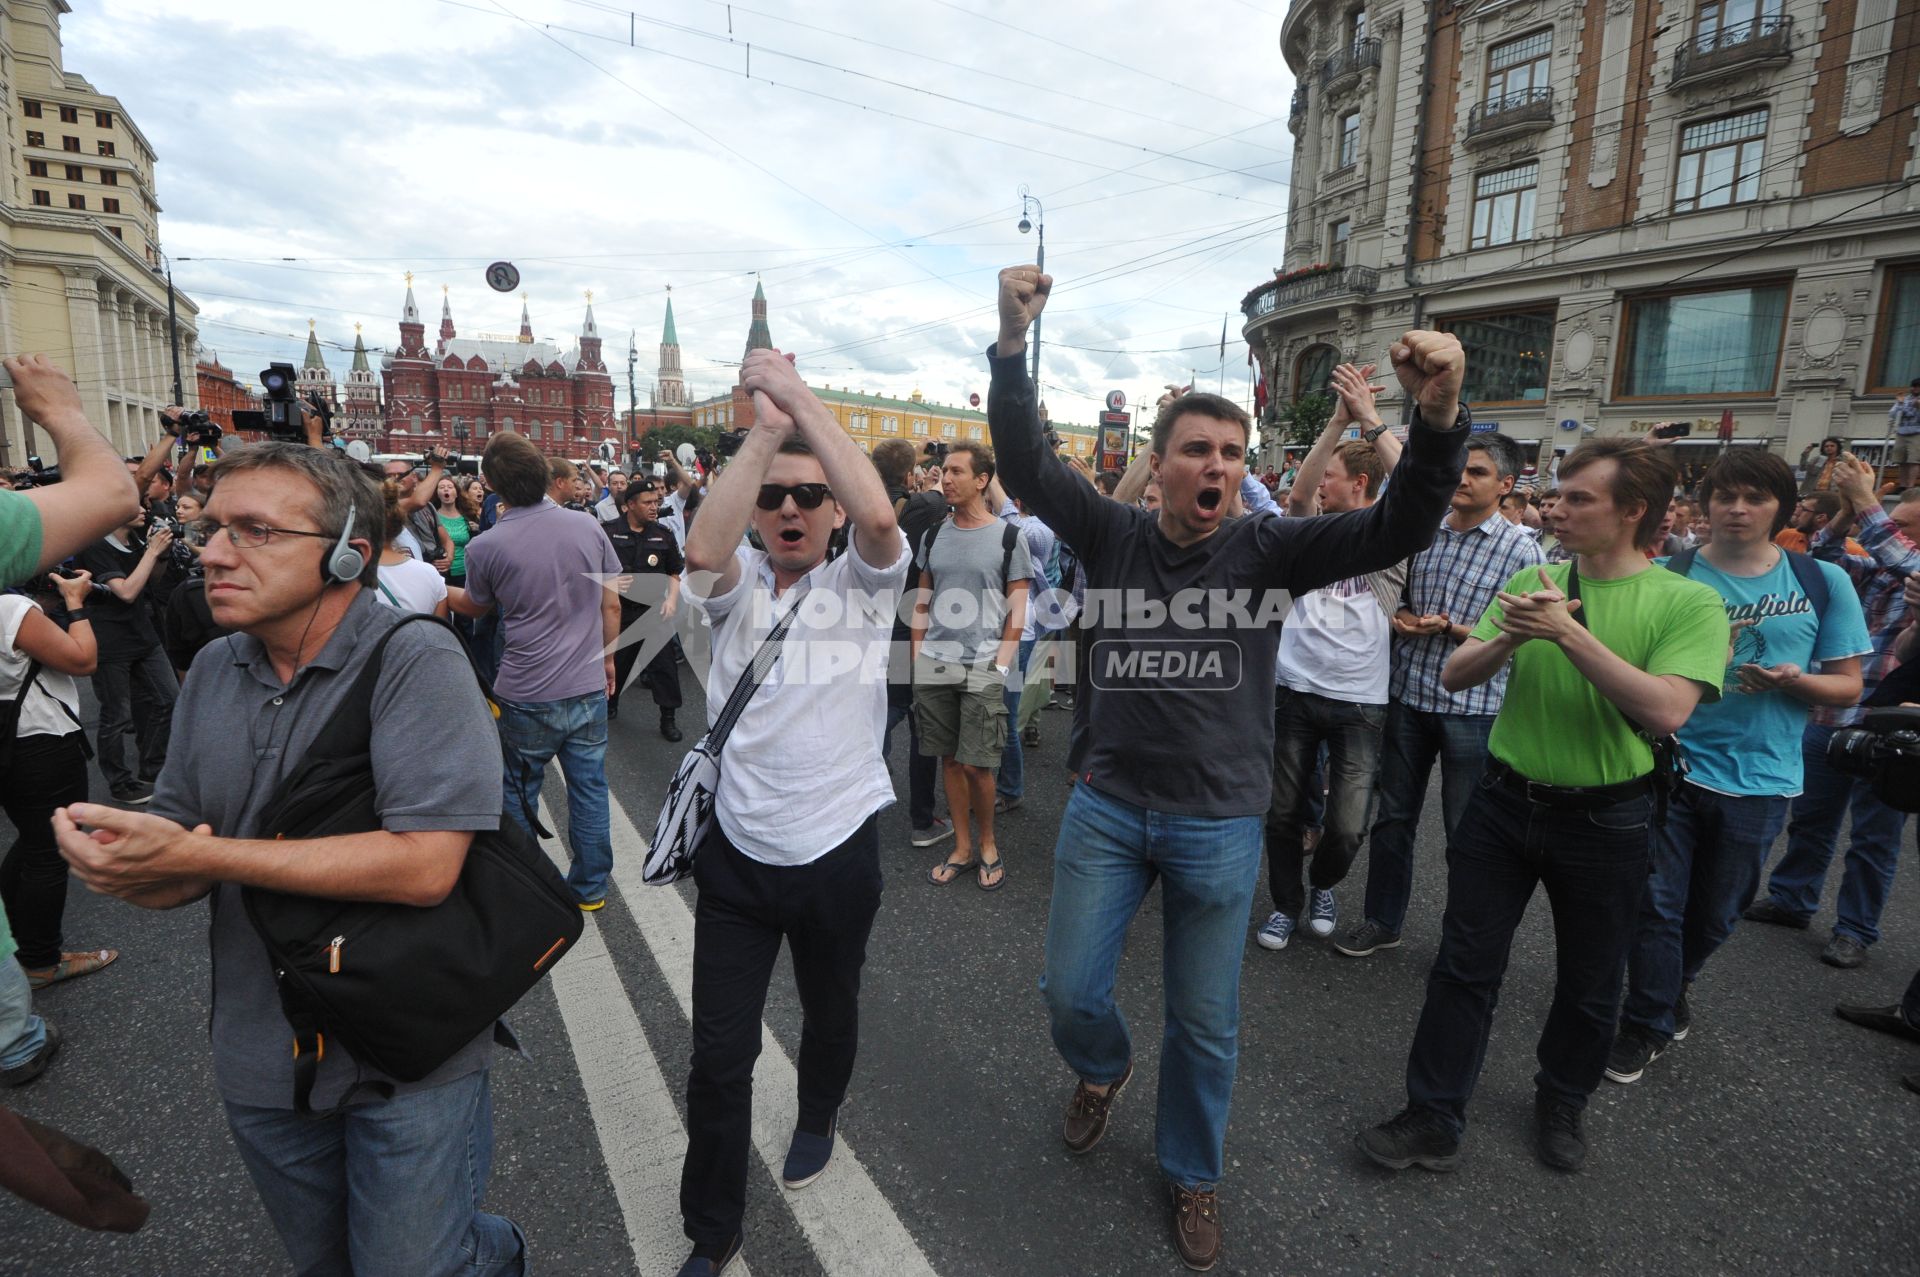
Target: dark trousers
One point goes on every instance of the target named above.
(1413, 739)
(136, 695)
(1911, 1003)
(922, 772)
(1594, 866)
(1302, 722)
(661, 677)
(47, 772)
(824, 910)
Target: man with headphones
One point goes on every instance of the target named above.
(290, 533)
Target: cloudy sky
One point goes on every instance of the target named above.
(863, 157)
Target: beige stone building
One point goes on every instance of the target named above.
(1630, 211)
(80, 264)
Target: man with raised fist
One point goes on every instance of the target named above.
(1183, 606)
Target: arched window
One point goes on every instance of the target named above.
(1313, 370)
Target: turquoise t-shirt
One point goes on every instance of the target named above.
(1748, 743)
(19, 537)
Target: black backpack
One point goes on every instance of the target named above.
(1009, 538)
(401, 987)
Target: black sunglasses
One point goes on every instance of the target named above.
(807, 496)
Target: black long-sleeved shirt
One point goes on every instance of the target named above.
(1178, 717)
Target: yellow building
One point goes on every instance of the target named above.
(874, 419)
(80, 265)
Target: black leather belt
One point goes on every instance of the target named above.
(1570, 797)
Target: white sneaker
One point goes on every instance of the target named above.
(1324, 913)
(1277, 931)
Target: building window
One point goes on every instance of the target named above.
(70, 144)
(104, 119)
(1736, 20)
(1313, 370)
(1356, 27)
(1503, 205)
(1512, 354)
(1518, 67)
(109, 178)
(36, 168)
(949, 431)
(973, 433)
(1899, 355)
(919, 427)
(69, 115)
(109, 206)
(43, 198)
(106, 148)
(1349, 139)
(1337, 236)
(75, 173)
(1720, 161)
(30, 108)
(115, 232)
(36, 139)
(1720, 342)
(77, 201)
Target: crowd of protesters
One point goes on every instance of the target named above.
(1629, 677)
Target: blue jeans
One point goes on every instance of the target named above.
(1707, 860)
(1594, 867)
(22, 1033)
(1413, 739)
(575, 730)
(1108, 855)
(1815, 832)
(1011, 783)
(387, 1188)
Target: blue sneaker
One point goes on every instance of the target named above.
(1324, 913)
(1277, 931)
(807, 1156)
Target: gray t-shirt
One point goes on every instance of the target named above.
(542, 566)
(968, 609)
(237, 729)
(424, 523)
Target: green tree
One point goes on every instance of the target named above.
(671, 437)
(1302, 420)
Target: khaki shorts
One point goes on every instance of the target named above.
(962, 711)
(1906, 450)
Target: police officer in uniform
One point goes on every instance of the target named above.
(645, 547)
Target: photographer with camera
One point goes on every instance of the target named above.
(187, 625)
(1813, 833)
(133, 682)
(53, 519)
(423, 537)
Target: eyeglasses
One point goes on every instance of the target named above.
(807, 496)
(247, 536)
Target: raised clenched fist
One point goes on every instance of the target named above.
(1023, 295)
(1431, 367)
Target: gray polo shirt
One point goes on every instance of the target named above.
(237, 728)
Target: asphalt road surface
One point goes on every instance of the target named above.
(1776, 1139)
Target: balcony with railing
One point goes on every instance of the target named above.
(1316, 283)
(1298, 111)
(1739, 47)
(1361, 55)
(1524, 112)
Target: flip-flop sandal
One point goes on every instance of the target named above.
(71, 967)
(957, 866)
(997, 865)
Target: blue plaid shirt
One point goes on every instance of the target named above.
(1458, 574)
(1894, 559)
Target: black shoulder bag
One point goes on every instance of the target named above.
(1669, 760)
(401, 987)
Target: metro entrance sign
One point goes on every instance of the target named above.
(1113, 439)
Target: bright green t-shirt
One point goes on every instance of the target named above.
(19, 537)
(1554, 726)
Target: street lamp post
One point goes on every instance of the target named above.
(1038, 222)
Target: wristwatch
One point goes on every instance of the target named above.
(1001, 670)
(1375, 433)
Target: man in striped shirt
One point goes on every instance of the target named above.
(1449, 585)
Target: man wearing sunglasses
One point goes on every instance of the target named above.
(795, 851)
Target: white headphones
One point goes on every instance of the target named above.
(344, 564)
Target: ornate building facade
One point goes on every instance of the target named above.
(460, 390)
(1630, 211)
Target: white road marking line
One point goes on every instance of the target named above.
(641, 1139)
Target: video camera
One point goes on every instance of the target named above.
(196, 429)
(1052, 436)
(38, 474)
(938, 449)
(1885, 752)
(281, 421)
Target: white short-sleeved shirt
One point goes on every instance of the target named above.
(415, 586)
(802, 769)
(41, 713)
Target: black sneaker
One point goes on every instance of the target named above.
(1844, 952)
(1557, 1135)
(1364, 939)
(1030, 735)
(35, 1064)
(1767, 909)
(1683, 1014)
(1413, 1137)
(670, 729)
(133, 794)
(699, 1265)
(1634, 1047)
(1891, 1019)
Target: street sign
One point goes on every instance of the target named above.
(1116, 400)
(1480, 426)
(1569, 424)
(503, 277)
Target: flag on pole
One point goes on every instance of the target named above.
(1726, 425)
(1223, 339)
